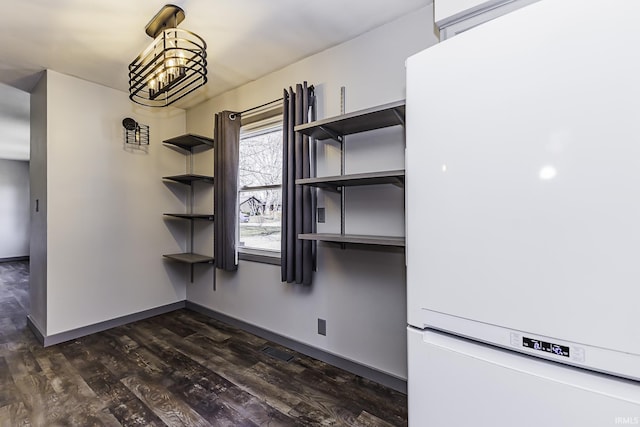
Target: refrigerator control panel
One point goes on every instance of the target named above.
(536, 346)
(549, 347)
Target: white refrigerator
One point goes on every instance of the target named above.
(523, 220)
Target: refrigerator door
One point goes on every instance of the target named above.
(453, 382)
(523, 175)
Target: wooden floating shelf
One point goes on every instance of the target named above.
(382, 116)
(208, 217)
(190, 141)
(355, 238)
(189, 178)
(371, 178)
(189, 258)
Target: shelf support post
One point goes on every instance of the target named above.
(343, 157)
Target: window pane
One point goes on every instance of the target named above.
(259, 219)
(261, 158)
(259, 210)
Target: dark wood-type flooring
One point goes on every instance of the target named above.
(178, 369)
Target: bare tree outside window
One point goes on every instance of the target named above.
(260, 196)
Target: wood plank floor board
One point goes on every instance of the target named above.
(310, 415)
(162, 350)
(38, 397)
(120, 401)
(123, 363)
(198, 380)
(21, 363)
(210, 406)
(366, 419)
(110, 389)
(134, 413)
(177, 369)
(88, 416)
(200, 326)
(256, 341)
(369, 395)
(281, 400)
(11, 347)
(171, 410)
(255, 409)
(215, 350)
(14, 415)
(177, 327)
(84, 360)
(7, 325)
(206, 390)
(189, 376)
(184, 346)
(242, 348)
(142, 357)
(315, 400)
(8, 391)
(191, 372)
(79, 412)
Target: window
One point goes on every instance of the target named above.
(260, 188)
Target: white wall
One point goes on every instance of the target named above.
(14, 172)
(14, 123)
(105, 234)
(14, 208)
(38, 189)
(361, 293)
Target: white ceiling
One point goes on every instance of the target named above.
(97, 39)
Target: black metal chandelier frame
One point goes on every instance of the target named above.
(172, 66)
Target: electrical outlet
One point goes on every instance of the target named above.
(320, 215)
(322, 327)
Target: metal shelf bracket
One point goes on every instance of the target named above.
(336, 137)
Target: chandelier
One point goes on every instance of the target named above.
(172, 66)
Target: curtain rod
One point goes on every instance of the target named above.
(240, 113)
(264, 105)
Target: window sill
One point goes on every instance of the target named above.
(259, 256)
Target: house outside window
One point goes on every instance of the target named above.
(260, 188)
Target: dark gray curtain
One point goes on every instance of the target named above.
(225, 200)
(298, 256)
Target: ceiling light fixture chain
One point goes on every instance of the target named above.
(172, 66)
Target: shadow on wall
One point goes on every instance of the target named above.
(14, 209)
